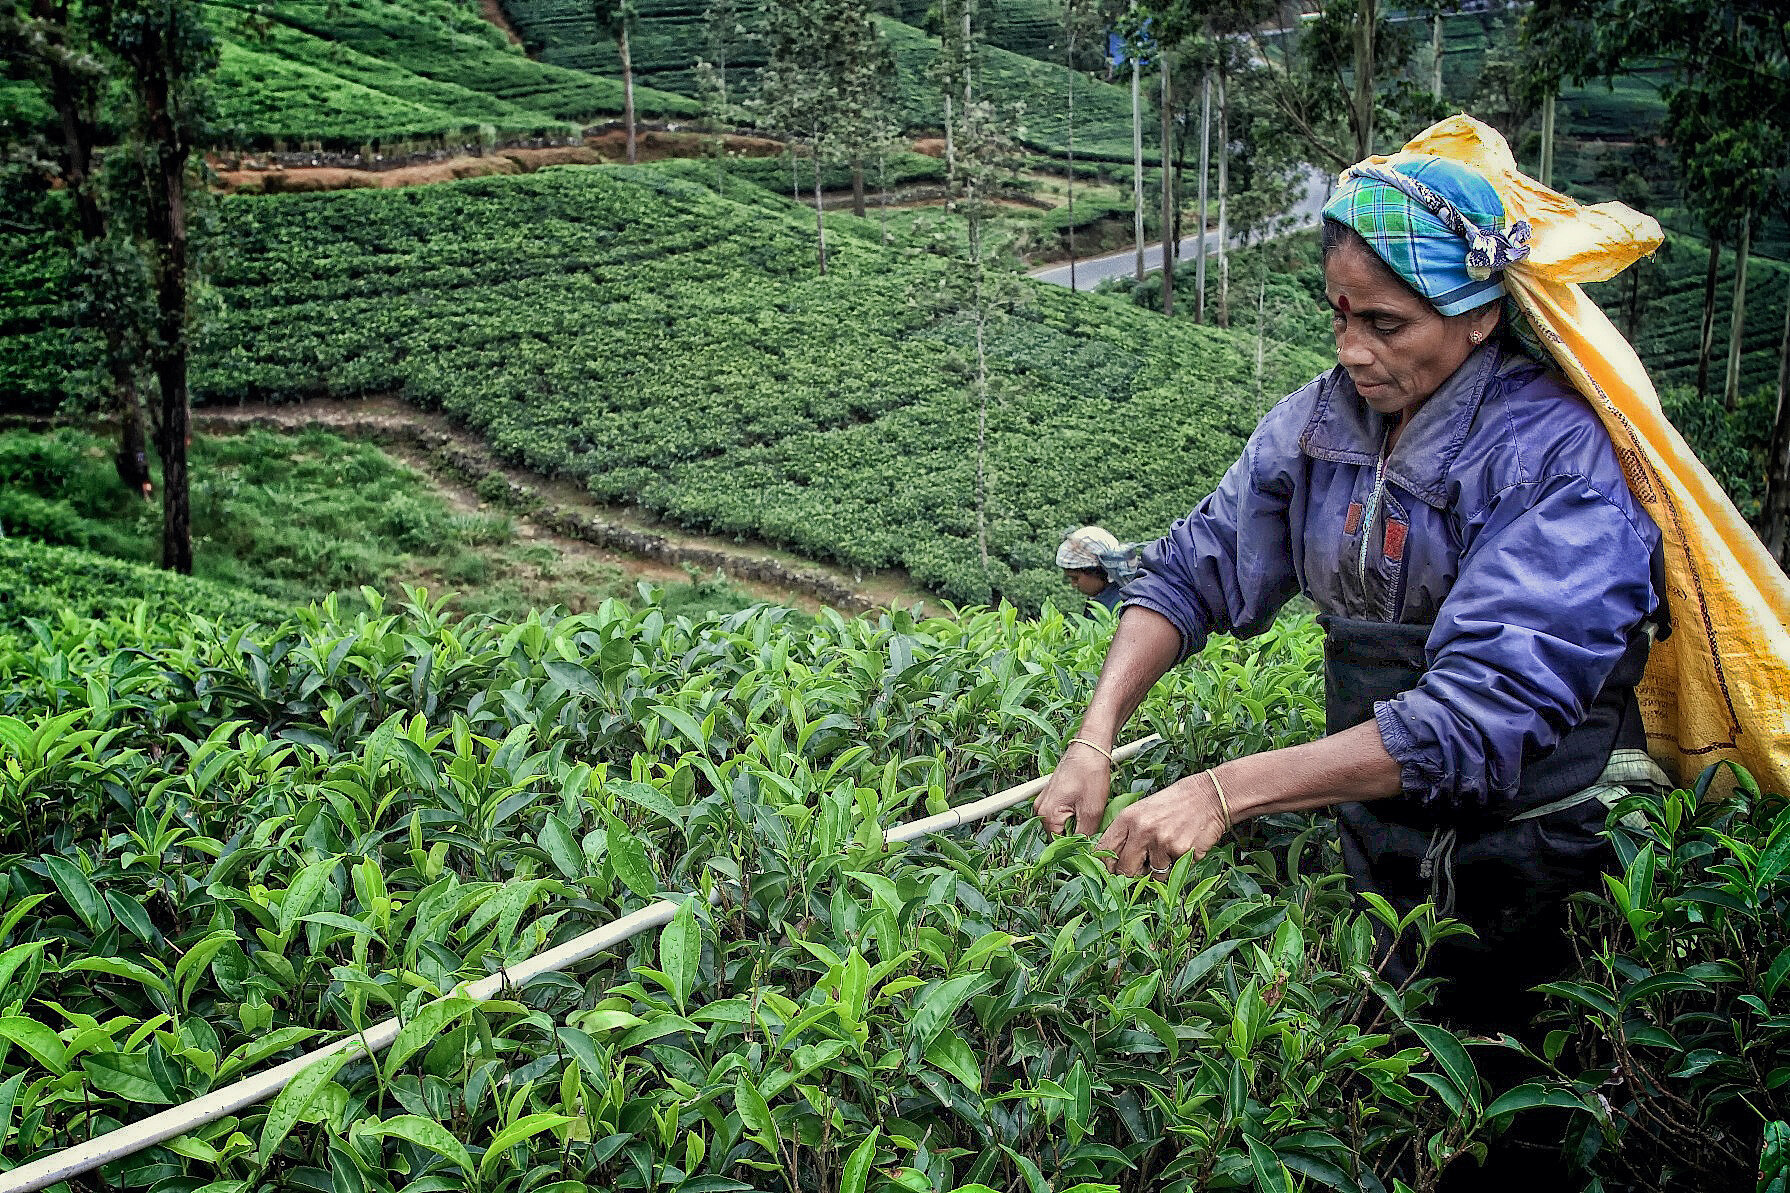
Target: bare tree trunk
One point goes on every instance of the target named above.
(1224, 196)
(1137, 170)
(1707, 341)
(166, 225)
(975, 231)
(969, 67)
(1774, 518)
(820, 227)
(950, 152)
(1436, 55)
(882, 189)
(1261, 329)
(857, 187)
(981, 436)
(1737, 322)
(1367, 21)
(628, 93)
(1547, 141)
(1784, 354)
(1199, 268)
(1168, 191)
(1069, 41)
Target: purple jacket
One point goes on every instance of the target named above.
(1505, 523)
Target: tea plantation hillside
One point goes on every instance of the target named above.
(665, 346)
(671, 37)
(297, 73)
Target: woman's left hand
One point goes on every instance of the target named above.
(1151, 834)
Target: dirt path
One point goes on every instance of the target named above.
(253, 175)
(561, 514)
(493, 12)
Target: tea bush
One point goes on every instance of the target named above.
(218, 846)
(48, 582)
(1677, 1020)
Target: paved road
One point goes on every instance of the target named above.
(1091, 271)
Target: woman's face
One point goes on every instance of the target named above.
(1086, 582)
(1394, 346)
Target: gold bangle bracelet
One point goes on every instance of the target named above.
(1082, 741)
(1224, 805)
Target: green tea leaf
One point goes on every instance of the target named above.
(126, 1076)
(941, 1000)
(856, 1174)
(628, 856)
(296, 1099)
(755, 1112)
(1530, 1097)
(951, 1054)
(44, 1045)
(306, 891)
(680, 953)
(424, 1132)
(79, 892)
(561, 847)
(119, 968)
(430, 1021)
(523, 1128)
(1453, 1058)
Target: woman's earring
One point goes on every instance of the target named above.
(1476, 337)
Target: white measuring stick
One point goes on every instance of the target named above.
(178, 1120)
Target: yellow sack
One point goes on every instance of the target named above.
(1719, 687)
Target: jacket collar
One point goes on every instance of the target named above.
(1345, 429)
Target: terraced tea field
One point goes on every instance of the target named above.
(634, 331)
(385, 72)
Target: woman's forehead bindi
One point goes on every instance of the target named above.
(1342, 303)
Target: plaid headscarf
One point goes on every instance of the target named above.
(1094, 547)
(1437, 224)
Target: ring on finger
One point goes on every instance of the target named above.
(1160, 871)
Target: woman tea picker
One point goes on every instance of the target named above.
(1487, 589)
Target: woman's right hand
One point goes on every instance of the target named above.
(1079, 787)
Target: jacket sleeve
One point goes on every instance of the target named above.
(1228, 566)
(1553, 577)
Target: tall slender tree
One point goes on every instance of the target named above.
(1334, 84)
(1774, 517)
(1078, 21)
(1165, 68)
(615, 18)
(986, 158)
(165, 53)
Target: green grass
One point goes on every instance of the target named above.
(293, 518)
(347, 73)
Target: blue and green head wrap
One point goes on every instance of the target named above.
(1437, 224)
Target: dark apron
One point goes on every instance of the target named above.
(1507, 878)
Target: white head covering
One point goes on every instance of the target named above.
(1095, 547)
